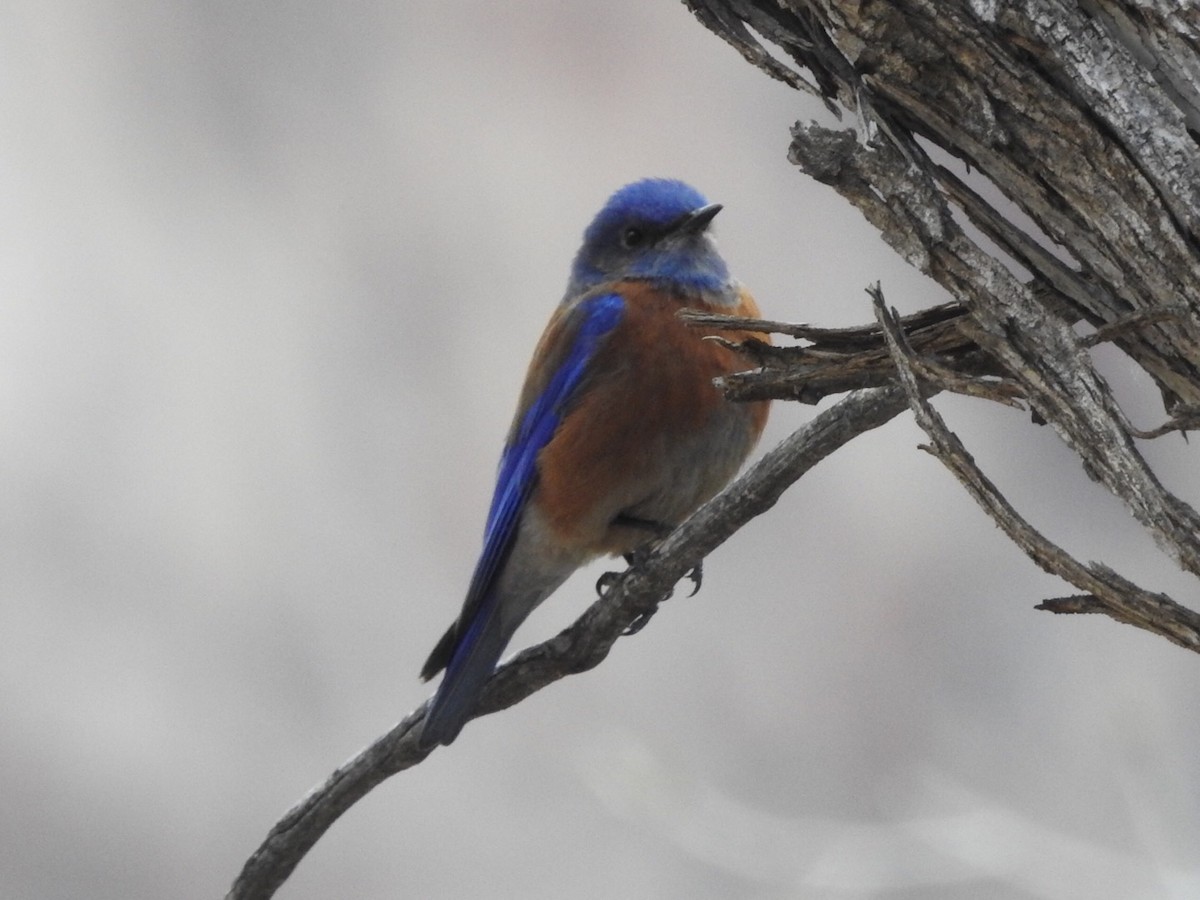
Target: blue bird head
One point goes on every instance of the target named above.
(655, 229)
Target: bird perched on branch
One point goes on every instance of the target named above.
(619, 434)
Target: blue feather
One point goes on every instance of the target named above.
(598, 316)
(651, 207)
(479, 638)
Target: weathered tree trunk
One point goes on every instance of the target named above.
(1086, 117)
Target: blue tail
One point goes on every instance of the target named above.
(472, 661)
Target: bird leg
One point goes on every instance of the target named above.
(638, 556)
(659, 530)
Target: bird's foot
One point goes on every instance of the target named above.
(695, 576)
(638, 556)
(607, 582)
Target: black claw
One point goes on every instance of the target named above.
(638, 555)
(640, 622)
(605, 583)
(633, 559)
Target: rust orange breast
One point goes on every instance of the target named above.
(649, 391)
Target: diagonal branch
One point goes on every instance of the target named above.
(633, 594)
(1112, 594)
(1037, 349)
(837, 360)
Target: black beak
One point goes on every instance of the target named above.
(697, 220)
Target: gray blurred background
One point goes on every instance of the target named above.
(270, 276)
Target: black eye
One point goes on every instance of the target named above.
(632, 237)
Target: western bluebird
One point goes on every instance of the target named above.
(619, 434)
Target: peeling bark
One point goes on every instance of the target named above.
(1083, 115)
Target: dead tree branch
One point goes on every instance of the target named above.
(634, 594)
(1108, 592)
(1082, 115)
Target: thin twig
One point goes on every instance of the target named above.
(1075, 604)
(1133, 322)
(998, 390)
(1007, 321)
(1118, 597)
(1183, 421)
(699, 319)
(861, 336)
(838, 360)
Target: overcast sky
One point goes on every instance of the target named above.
(270, 275)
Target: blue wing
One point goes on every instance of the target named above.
(596, 318)
(470, 649)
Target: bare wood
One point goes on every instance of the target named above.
(1112, 594)
(1081, 114)
(837, 360)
